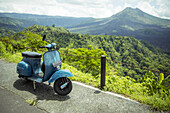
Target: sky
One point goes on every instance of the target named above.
(85, 8)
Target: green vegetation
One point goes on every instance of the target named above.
(146, 88)
(9, 26)
(11, 47)
(87, 65)
(118, 48)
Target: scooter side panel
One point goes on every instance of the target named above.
(24, 69)
(59, 74)
(35, 64)
(50, 58)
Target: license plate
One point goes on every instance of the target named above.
(55, 64)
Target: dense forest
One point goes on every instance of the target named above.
(118, 48)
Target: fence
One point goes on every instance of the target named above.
(103, 66)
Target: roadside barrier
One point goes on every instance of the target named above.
(103, 66)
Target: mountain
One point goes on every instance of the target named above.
(130, 22)
(15, 22)
(45, 20)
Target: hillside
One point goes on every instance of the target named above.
(119, 48)
(60, 21)
(130, 22)
(10, 25)
(15, 22)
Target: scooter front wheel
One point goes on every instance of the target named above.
(63, 86)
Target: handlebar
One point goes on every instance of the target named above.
(49, 46)
(42, 47)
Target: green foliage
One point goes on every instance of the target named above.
(31, 102)
(11, 47)
(9, 26)
(157, 103)
(87, 65)
(12, 57)
(53, 25)
(54, 34)
(2, 48)
(82, 77)
(124, 85)
(118, 48)
(156, 84)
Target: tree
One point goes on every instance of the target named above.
(53, 25)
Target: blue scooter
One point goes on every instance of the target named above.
(32, 68)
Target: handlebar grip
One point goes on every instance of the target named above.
(42, 46)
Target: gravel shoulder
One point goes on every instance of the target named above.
(83, 98)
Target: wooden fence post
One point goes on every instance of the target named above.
(103, 71)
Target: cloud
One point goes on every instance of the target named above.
(158, 8)
(86, 3)
(147, 7)
(163, 9)
(92, 8)
(84, 8)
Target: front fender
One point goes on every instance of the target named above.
(59, 74)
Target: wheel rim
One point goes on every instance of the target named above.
(62, 91)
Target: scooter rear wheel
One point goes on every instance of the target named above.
(62, 91)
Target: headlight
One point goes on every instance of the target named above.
(58, 67)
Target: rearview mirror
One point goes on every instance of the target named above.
(44, 37)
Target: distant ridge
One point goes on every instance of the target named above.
(15, 22)
(61, 21)
(130, 22)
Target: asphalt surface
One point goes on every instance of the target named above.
(82, 99)
(12, 103)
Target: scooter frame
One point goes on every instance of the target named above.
(30, 68)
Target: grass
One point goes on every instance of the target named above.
(11, 57)
(82, 77)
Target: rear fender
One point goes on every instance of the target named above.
(24, 68)
(60, 74)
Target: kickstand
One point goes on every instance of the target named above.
(34, 85)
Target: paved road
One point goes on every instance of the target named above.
(82, 99)
(12, 103)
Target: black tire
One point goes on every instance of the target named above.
(65, 90)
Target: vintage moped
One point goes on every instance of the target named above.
(31, 67)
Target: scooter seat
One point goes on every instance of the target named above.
(29, 54)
